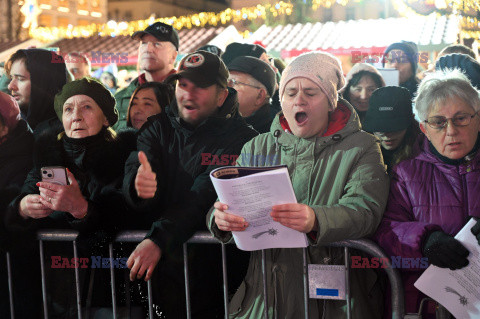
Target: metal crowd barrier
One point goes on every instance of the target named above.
(206, 238)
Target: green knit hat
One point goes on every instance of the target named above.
(92, 88)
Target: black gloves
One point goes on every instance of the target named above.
(476, 231)
(444, 251)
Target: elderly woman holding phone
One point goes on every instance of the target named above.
(92, 154)
(340, 184)
(434, 194)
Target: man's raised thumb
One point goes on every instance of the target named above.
(144, 161)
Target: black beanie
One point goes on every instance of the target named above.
(237, 49)
(92, 88)
(256, 68)
(464, 63)
(409, 48)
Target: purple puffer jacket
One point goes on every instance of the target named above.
(426, 195)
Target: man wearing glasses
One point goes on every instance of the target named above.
(254, 81)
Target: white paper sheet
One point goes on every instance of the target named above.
(457, 290)
(390, 76)
(252, 197)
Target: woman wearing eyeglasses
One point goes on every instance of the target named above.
(433, 195)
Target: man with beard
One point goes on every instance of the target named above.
(168, 184)
(157, 52)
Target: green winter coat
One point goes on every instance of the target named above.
(122, 99)
(343, 179)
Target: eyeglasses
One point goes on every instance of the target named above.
(439, 122)
(233, 82)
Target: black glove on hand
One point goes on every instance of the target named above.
(476, 231)
(444, 251)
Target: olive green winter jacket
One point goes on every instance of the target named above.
(342, 178)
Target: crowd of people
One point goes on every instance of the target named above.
(397, 164)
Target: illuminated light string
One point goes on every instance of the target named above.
(469, 25)
(202, 19)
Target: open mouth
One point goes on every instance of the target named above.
(301, 118)
(189, 107)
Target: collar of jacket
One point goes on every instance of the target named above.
(426, 154)
(353, 125)
(261, 117)
(214, 123)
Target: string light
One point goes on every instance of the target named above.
(469, 25)
(202, 19)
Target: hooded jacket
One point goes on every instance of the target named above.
(182, 158)
(342, 178)
(48, 74)
(357, 68)
(426, 195)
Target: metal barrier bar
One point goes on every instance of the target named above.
(205, 237)
(305, 281)
(347, 283)
(265, 293)
(225, 280)
(112, 281)
(396, 287)
(44, 284)
(77, 282)
(187, 282)
(150, 300)
(10, 285)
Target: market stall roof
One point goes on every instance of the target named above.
(431, 33)
(123, 50)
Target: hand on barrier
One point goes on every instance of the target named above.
(476, 231)
(32, 207)
(146, 179)
(300, 217)
(444, 251)
(226, 221)
(62, 198)
(143, 259)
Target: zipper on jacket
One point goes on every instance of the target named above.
(276, 134)
(465, 191)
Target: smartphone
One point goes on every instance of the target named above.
(54, 174)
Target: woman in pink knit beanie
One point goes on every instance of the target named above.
(341, 189)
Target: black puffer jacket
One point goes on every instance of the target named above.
(97, 162)
(182, 158)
